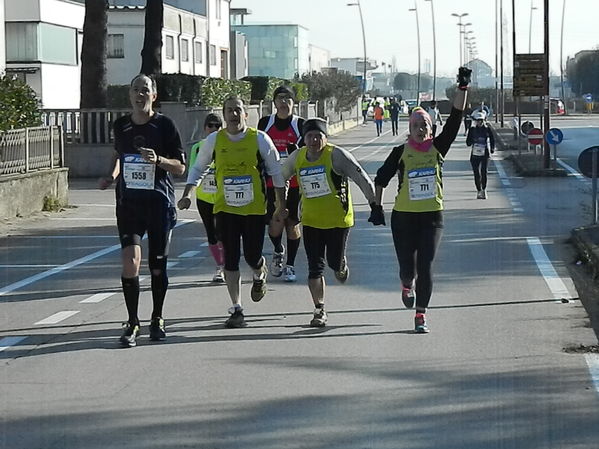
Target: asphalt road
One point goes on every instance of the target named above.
(502, 367)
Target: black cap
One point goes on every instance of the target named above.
(283, 90)
(315, 124)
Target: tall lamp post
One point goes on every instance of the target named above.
(561, 56)
(363, 42)
(459, 16)
(532, 8)
(434, 52)
(415, 9)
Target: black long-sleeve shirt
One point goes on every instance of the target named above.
(442, 142)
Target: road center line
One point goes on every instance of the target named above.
(7, 342)
(58, 317)
(98, 297)
(554, 282)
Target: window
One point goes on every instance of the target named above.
(197, 57)
(170, 47)
(219, 9)
(115, 46)
(184, 50)
(212, 55)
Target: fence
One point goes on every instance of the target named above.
(25, 150)
(84, 125)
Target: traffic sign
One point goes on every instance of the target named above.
(588, 98)
(529, 75)
(554, 136)
(585, 161)
(526, 127)
(535, 136)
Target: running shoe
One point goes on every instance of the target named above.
(343, 273)
(259, 285)
(483, 194)
(319, 319)
(236, 320)
(479, 195)
(420, 326)
(408, 296)
(157, 330)
(276, 264)
(219, 275)
(289, 274)
(130, 334)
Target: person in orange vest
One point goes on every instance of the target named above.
(379, 114)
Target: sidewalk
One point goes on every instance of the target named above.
(584, 239)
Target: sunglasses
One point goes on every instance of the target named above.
(213, 125)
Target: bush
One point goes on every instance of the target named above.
(215, 90)
(19, 105)
(339, 85)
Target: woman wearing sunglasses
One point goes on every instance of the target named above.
(205, 199)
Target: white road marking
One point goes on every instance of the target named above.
(58, 317)
(171, 264)
(593, 363)
(571, 170)
(7, 342)
(67, 266)
(188, 254)
(502, 175)
(98, 297)
(554, 282)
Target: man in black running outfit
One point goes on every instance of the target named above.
(148, 150)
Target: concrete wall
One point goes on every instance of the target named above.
(23, 195)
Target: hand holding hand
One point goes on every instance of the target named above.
(377, 216)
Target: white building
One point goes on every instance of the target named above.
(195, 38)
(43, 42)
(318, 58)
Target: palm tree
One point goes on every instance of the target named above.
(93, 55)
(151, 54)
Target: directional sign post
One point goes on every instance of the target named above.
(587, 164)
(554, 137)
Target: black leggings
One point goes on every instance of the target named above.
(416, 236)
(317, 242)
(479, 167)
(250, 228)
(205, 209)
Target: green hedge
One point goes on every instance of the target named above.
(198, 90)
(215, 90)
(19, 105)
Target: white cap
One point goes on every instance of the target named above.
(479, 115)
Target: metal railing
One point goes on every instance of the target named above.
(84, 125)
(29, 149)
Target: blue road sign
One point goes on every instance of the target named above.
(588, 98)
(554, 136)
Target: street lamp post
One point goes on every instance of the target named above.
(561, 57)
(459, 16)
(434, 52)
(363, 41)
(532, 8)
(415, 9)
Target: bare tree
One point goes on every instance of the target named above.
(151, 54)
(93, 55)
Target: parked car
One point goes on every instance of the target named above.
(557, 106)
(411, 105)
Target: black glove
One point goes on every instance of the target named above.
(464, 75)
(377, 216)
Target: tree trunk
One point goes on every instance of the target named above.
(93, 55)
(151, 54)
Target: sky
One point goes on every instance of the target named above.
(390, 28)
